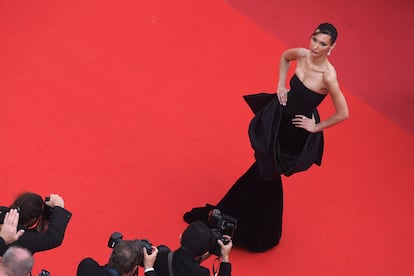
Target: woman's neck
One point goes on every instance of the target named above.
(318, 64)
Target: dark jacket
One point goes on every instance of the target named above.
(89, 267)
(185, 265)
(53, 237)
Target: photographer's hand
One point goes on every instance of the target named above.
(8, 230)
(149, 260)
(55, 200)
(226, 248)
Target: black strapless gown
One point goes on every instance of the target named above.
(256, 199)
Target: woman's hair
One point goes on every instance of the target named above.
(30, 205)
(327, 28)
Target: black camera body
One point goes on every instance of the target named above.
(47, 210)
(4, 210)
(221, 224)
(215, 247)
(44, 273)
(114, 238)
(147, 245)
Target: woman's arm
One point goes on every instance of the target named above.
(285, 59)
(338, 100)
(284, 64)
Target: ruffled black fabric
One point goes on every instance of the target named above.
(256, 199)
(264, 131)
(257, 203)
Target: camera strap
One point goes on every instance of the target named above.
(216, 261)
(170, 258)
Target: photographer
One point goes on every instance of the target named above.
(16, 261)
(197, 244)
(124, 261)
(44, 222)
(8, 230)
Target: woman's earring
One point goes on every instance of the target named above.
(329, 53)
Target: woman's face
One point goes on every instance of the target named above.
(320, 45)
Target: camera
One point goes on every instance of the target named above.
(225, 224)
(215, 247)
(44, 273)
(220, 224)
(116, 237)
(4, 210)
(47, 210)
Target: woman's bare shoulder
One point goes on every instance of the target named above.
(330, 74)
(296, 53)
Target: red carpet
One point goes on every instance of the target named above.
(368, 55)
(133, 112)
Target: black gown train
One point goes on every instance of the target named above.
(256, 199)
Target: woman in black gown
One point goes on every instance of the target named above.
(286, 135)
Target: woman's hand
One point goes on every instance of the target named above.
(304, 122)
(282, 95)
